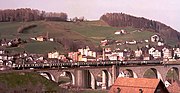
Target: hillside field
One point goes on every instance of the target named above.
(86, 33)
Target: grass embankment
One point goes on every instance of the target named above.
(23, 82)
(26, 82)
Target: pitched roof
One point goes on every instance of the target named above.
(132, 85)
(174, 87)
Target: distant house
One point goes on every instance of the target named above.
(119, 32)
(177, 52)
(151, 50)
(157, 54)
(86, 58)
(138, 53)
(155, 38)
(53, 55)
(166, 53)
(40, 38)
(138, 85)
(147, 57)
(113, 55)
(160, 44)
(74, 55)
(104, 42)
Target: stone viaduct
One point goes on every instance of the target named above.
(87, 77)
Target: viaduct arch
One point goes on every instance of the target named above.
(87, 77)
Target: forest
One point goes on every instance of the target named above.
(27, 14)
(125, 20)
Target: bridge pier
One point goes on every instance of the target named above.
(115, 73)
(83, 79)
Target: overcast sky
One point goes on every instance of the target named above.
(165, 11)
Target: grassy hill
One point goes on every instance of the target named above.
(66, 33)
(21, 82)
(28, 82)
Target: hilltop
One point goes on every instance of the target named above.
(124, 20)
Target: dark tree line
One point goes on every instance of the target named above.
(124, 20)
(27, 14)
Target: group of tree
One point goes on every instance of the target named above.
(27, 14)
(125, 20)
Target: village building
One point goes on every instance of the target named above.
(138, 53)
(56, 55)
(40, 38)
(155, 38)
(166, 53)
(83, 54)
(53, 55)
(104, 42)
(119, 32)
(113, 55)
(138, 85)
(74, 56)
(176, 52)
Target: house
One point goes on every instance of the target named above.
(155, 38)
(138, 53)
(104, 42)
(138, 85)
(166, 53)
(160, 44)
(147, 57)
(146, 41)
(40, 38)
(86, 58)
(51, 39)
(53, 55)
(151, 50)
(133, 42)
(113, 55)
(157, 54)
(87, 52)
(177, 52)
(74, 55)
(119, 32)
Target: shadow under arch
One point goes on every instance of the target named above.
(71, 77)
(104, 79)
(172, 74)
(47, 75)
(152, 73)
(128, 73)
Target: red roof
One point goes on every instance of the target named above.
(133, 85)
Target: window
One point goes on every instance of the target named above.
(118, 90)
(140, 91)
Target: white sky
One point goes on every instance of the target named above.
(165, 11)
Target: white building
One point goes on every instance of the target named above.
(156, 54)
(155, 38)
(151, 50)
(138, 53)
(177, 52)
(166, 53)
(53, 55)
